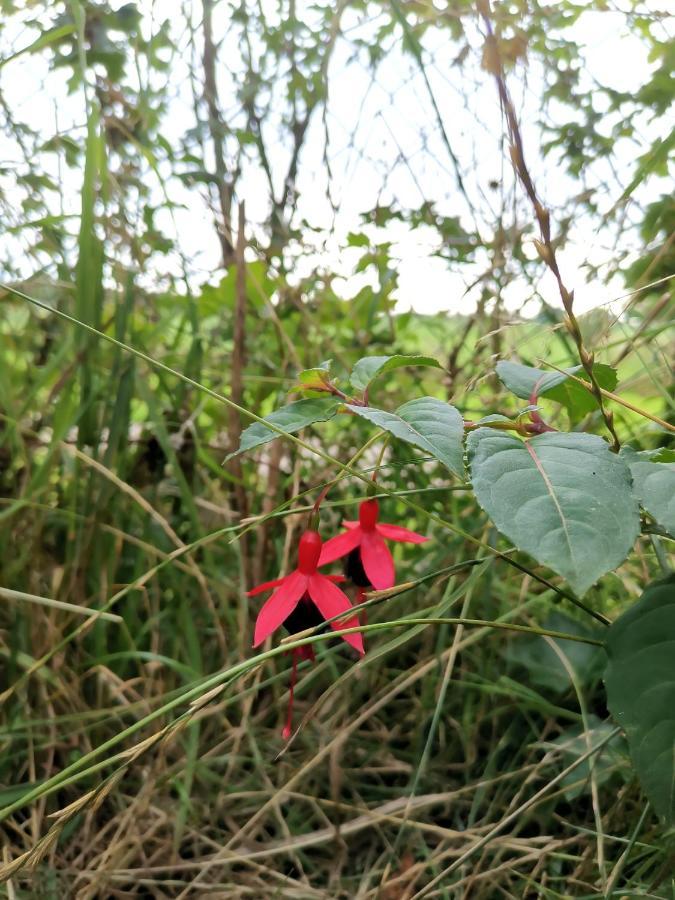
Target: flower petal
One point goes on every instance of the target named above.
(336, 579)
(266, 586)
(340, 545)
(377, 561)
(397, 533)
(279, 606)
(331, 601)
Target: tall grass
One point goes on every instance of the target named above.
(144, 755)
(468, 754)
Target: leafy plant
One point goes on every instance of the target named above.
(213, 387)
(640, 689)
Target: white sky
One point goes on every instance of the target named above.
(370, 124)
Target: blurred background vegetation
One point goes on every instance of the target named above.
(240, 191)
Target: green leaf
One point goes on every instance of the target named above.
(496, 420)
(370, 367)
(523, 381)
(544, 666)
(563, 498)
(259, 288)
(289, 419)
(53, 36)
(89, 278)
(357, 239)
(653, 485)
(640, 681)
(426, 423)
(575, 741)
(577, 399)
(315, 379)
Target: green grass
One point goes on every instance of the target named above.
(469, 753)
(430, 768)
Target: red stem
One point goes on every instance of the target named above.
(354, 401)
(321, 498)
(539, 425)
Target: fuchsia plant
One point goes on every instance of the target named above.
(306, 598)
(567, 499)
(306, 584)
(368, 537)
(302, 600)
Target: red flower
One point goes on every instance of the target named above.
(303, 599)
(304, 581)
(368, 535)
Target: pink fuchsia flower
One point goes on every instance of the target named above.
(368, 535)
(304, 584)
(304, 599)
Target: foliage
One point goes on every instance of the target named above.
(565, 498)
(173, 416)
(640, 689)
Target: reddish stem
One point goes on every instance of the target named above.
(321, 498)
(354, 401)
(539, 426)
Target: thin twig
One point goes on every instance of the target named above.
(545, 247)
